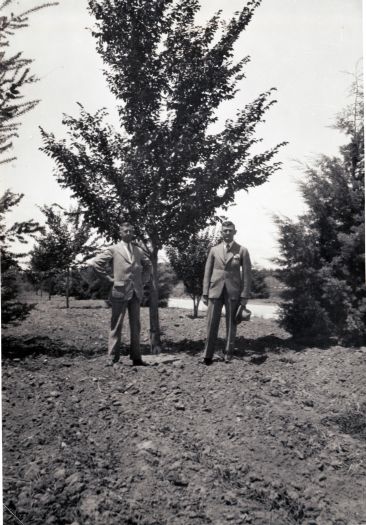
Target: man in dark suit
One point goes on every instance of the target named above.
(227, 281)
(131, 269)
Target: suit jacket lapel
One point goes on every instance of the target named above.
(123, 251)
(221, 252)
(233, 250)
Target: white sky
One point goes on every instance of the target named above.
(305, 48)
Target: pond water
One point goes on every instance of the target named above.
(264, 310)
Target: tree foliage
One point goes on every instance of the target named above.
(66, 237)
(189, 260)
(259, 288)
(86, 284)
(163, 171)
(13, 311)
(323, 253)
(167, 279)
(15, 75)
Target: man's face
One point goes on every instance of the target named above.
(228, 233)
(127, 233)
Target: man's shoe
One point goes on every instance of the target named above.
(228, 358)
(206, 361)
(111, 362)
(221, 355)
(139, 362)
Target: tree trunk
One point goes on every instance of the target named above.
(67, 287)
(155, 343)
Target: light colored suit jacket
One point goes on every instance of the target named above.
(129, 273)
(232, 270)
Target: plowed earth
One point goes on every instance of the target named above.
(276, 437)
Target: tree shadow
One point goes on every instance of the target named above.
(86, 307)
(22, 348)
(274, 344)
(248, 347)
(16, 348)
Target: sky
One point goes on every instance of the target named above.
(308, 50)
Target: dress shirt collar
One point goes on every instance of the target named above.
(229, 244)
(128, 246)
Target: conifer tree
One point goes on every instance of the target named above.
(163, 170)
(13, 310)
(323, 253)
(15, 74)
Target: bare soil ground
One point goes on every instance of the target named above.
(276, 437)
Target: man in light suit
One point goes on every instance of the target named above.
(131, 269)
(227, 281)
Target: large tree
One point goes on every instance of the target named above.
(164, 170)
(15, 75)
(323, 252)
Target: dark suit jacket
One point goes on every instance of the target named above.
(129, 273)
(234, 273)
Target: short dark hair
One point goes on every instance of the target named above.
(228, 223)
(125, 224)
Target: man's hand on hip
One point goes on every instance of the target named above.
(205, 299)
(243, 301)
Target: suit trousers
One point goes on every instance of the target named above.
(213, 323)
(119, 308)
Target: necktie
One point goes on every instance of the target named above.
(129, 249)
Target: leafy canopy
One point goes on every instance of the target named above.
(163, 170)
(65, 237)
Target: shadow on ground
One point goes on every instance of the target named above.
(247, 347)
(260, 347)
(105, 306)
(14, 348)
